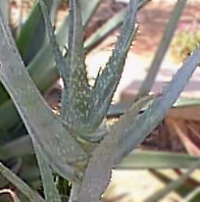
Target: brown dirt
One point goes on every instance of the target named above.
(152, 20)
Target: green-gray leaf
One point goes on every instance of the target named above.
(106, 83)
(42, 125)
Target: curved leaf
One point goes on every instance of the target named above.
(42, 68)
(77, 90)
(44, 127)
(106, 83)
(117, 145)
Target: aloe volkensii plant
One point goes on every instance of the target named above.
(37, 55)
(38, 58)
(78, 145)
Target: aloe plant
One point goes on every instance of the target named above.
(38, 58)
(78, 145)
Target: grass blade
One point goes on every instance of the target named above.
(22, 186)
(163, 47)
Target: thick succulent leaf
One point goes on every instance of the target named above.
(162, 49)
(154, 114)
(59, 59)
(21, 185)
(106, 83)
(61, 62)
(107, 28)
(125, 121)
(42, 68)
(116, 145)
(173, 185)
(75, 105)
(43, 126)
(50, 190)
(43, 77)
(32, 35)
(44, 57)
(140, 159)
